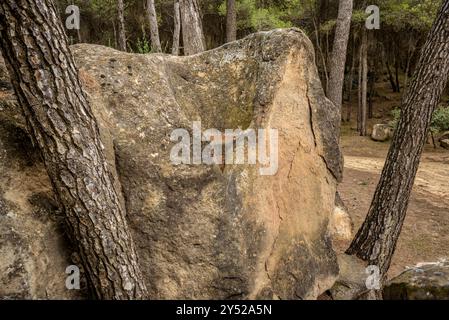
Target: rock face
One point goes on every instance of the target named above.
(381, 132)
(445, 143)
(341, 223)
(202, 231)
(425, 281)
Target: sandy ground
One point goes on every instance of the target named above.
(425, 234)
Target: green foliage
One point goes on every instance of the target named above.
(440, 119)
(259, 15)
(395, 115)
(143, 46)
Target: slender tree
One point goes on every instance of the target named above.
(376, 240)
(121, 25)
(154, 29)
(364, 83)
(192, 29)
(176, 28)
(60, 121)
(231, 21)
(338, 59)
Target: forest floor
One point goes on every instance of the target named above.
(425, 234)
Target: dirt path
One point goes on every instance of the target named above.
(425, 235)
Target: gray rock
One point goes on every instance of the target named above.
(381, 132)
(425, 281)
(444, 136)
(207, 231)
(445, 143)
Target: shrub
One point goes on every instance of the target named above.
(440, 119)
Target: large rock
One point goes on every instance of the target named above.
(445, 143)
(202, 231)
(444, 136)
(381, 132)
(425, 281)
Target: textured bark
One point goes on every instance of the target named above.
(177, 28)
(60, 120)
(121, 25)
(338, 59)
(154, 30)
(231, 21)
(351, 79)
(376, 240)
(192, 30)
(364, 82)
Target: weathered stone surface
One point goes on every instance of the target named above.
(444, 136)
(341, 225)
(445, 143)
(381, 132)
(351, 282)
(425, 281)
(208, 231)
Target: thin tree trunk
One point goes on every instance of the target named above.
(390, 75)
(376, 240)
(154, 30)
(351, 80)
(359, 90)
(410, 54)
(364, 83)
(338, 59)
(371, 80)
(192, 30)
(320, 50)
(396, 68)
(362, 88)
(176, 29)
(60, 121)
(121, 25)
(231, 21)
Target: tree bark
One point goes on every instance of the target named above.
(351, 79)
(176, 29)
(59, 119)
(154, 30)
(121, 25)
(338, 60)
(192, 29)
(359, 90)
(376, 240)
(363, 96)
(363, 79)
(231, 21)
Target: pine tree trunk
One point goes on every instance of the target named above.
(231, 21)
(338, 60)
(376, 240)
(154, 30)
(61, 123)
(176, 29)
(192, 30)
(121, 25)
(350, 80)
(359, 90)
(363, 96)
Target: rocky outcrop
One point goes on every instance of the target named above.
(444, 143)
(425, 281)
(381, 132)
(202, 231)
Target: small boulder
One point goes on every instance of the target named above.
(445, 143)
(381, 132)
(444, 136)
(425, 281)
